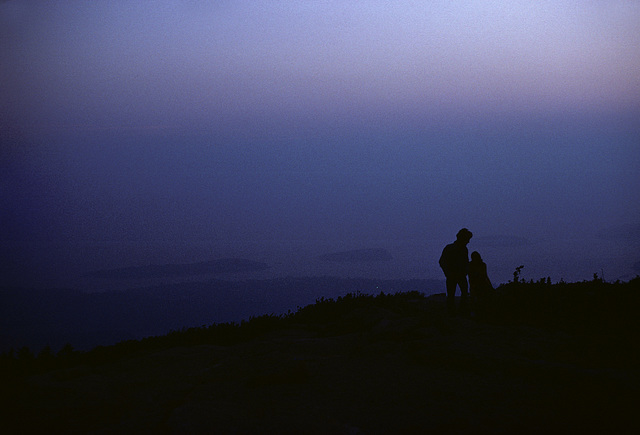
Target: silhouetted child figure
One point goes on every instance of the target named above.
(480, 285)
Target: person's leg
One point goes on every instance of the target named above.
(464, 296)
(451, 295)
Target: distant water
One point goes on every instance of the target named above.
(56, 264)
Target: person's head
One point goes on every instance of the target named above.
(464, 235)
(475, 256)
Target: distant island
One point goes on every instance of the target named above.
(501, 241)
(224, 265)
(358, 255)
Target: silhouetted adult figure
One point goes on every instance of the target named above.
(480, 286)
(454, 262)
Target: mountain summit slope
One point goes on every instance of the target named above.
(359, 364)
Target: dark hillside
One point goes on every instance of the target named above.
(37, 318)
(561, 358)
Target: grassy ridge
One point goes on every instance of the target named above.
(606, 311)
(543, 357)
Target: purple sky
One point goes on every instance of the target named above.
(349, 121)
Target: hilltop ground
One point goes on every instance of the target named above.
(359, 364)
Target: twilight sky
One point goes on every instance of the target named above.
(357, 122)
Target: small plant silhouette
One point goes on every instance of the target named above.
(516, 273)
